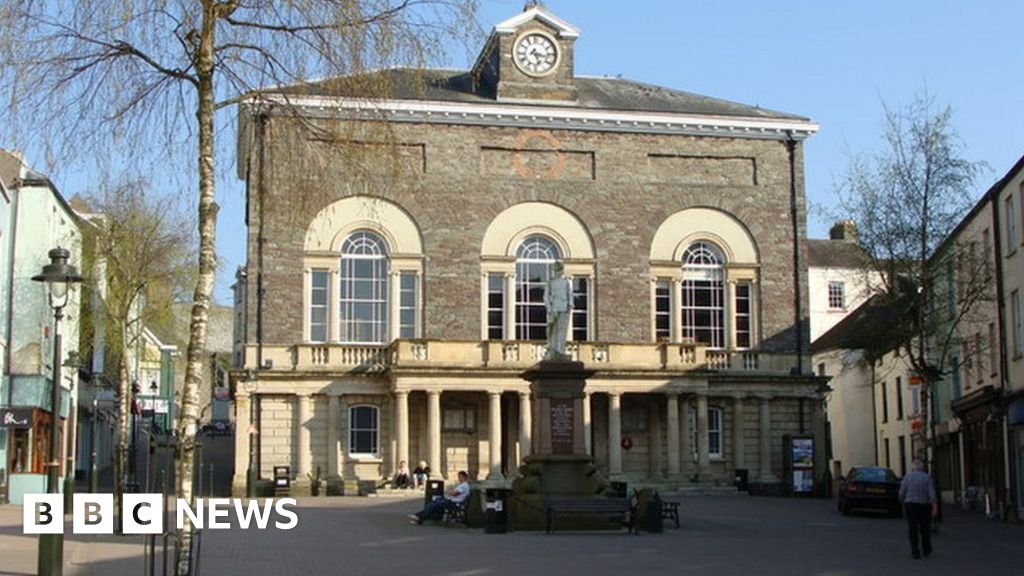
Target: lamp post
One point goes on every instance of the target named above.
(94, 481)
(70, 431)
(59, 277)
(250, 473)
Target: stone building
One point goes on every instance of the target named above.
(398, 250)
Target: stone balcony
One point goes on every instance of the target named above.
(513, 355)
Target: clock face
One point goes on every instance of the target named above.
(535, 54)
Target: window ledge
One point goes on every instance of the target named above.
(366, 458)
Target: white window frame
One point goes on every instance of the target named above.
(353, 430)
(326, 306)
(506, 269)
(836, 295)
(1015, 322)
(716, 430)
(1011, 224)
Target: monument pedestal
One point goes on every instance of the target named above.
(559, 466)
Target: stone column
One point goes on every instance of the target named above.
(402, 427)
(243, 435)
(525, 426)
(510, 306)
(654, 439)
(304, 451)
(730, 300)
(703, 462)
(588, 426)
(614, 434)
(494, 439)
(738, 444)
(333, 410)
(674, 306)
(434, 433)
(686, 437)
(765, 459)
(672, 415)
(395, 288)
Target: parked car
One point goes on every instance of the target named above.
(216, 428)
(872, 487)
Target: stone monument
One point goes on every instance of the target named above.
(558, 466)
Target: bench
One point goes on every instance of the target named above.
(612, 507)
(670, 511)
(455, 514)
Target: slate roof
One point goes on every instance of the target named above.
(875, 326)
(835, 254)
(594, 93)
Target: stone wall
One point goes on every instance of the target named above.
(618, 185)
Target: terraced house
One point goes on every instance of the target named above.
(398, 250)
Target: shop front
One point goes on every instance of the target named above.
(27, 447)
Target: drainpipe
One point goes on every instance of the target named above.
(9, 329)
(997, 243)
(794, 215)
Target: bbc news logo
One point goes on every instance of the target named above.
(144, 514)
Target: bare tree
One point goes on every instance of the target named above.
(151, 76)
(141, 245)
(907, 201)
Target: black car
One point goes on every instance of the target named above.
(872, 487)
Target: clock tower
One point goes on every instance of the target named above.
(529, 57)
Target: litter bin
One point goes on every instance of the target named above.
(434, 490)
(282, 480)
(618, 489)
(742, 479)
(497, 510)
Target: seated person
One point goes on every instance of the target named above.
(402, 476)
(421, 474)
(456, 495)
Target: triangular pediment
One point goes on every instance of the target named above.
(537, 12)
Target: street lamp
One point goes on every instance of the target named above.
(250, 473)
(70, 431)
(59, 277)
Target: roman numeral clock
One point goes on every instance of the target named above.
(535, 54)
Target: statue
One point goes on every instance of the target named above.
(558, 299)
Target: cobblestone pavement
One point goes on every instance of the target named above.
(723, 534)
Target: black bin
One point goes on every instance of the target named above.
(282, 480)
(497, 510)
(434, 490)
(618, 489)
(742, 479)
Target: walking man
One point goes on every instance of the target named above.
(917, 493)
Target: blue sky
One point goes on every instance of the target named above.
(834, 62)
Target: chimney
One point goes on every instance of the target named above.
(844, 230)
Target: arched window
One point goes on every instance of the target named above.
(703, 295)
(364, 289)
(363, 430)
(535, 260)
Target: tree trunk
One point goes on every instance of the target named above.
(204, 284)
(124, 394)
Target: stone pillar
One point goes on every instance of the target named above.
(738, 444)
(510, 306)
(677, 318)
(402, 427)
(303, 448)
(730, 300)
(588, 426)
(494, 436)
(243, 435)
(703, 461)
(395, 288)
(525, 426)
(654, 438)
(765, 452)
(686, 437)
(333, 414)
(434, 433)
(614, 434)
(672, 415)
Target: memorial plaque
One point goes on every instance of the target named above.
(562, 419)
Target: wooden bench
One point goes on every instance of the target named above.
(611, 507)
